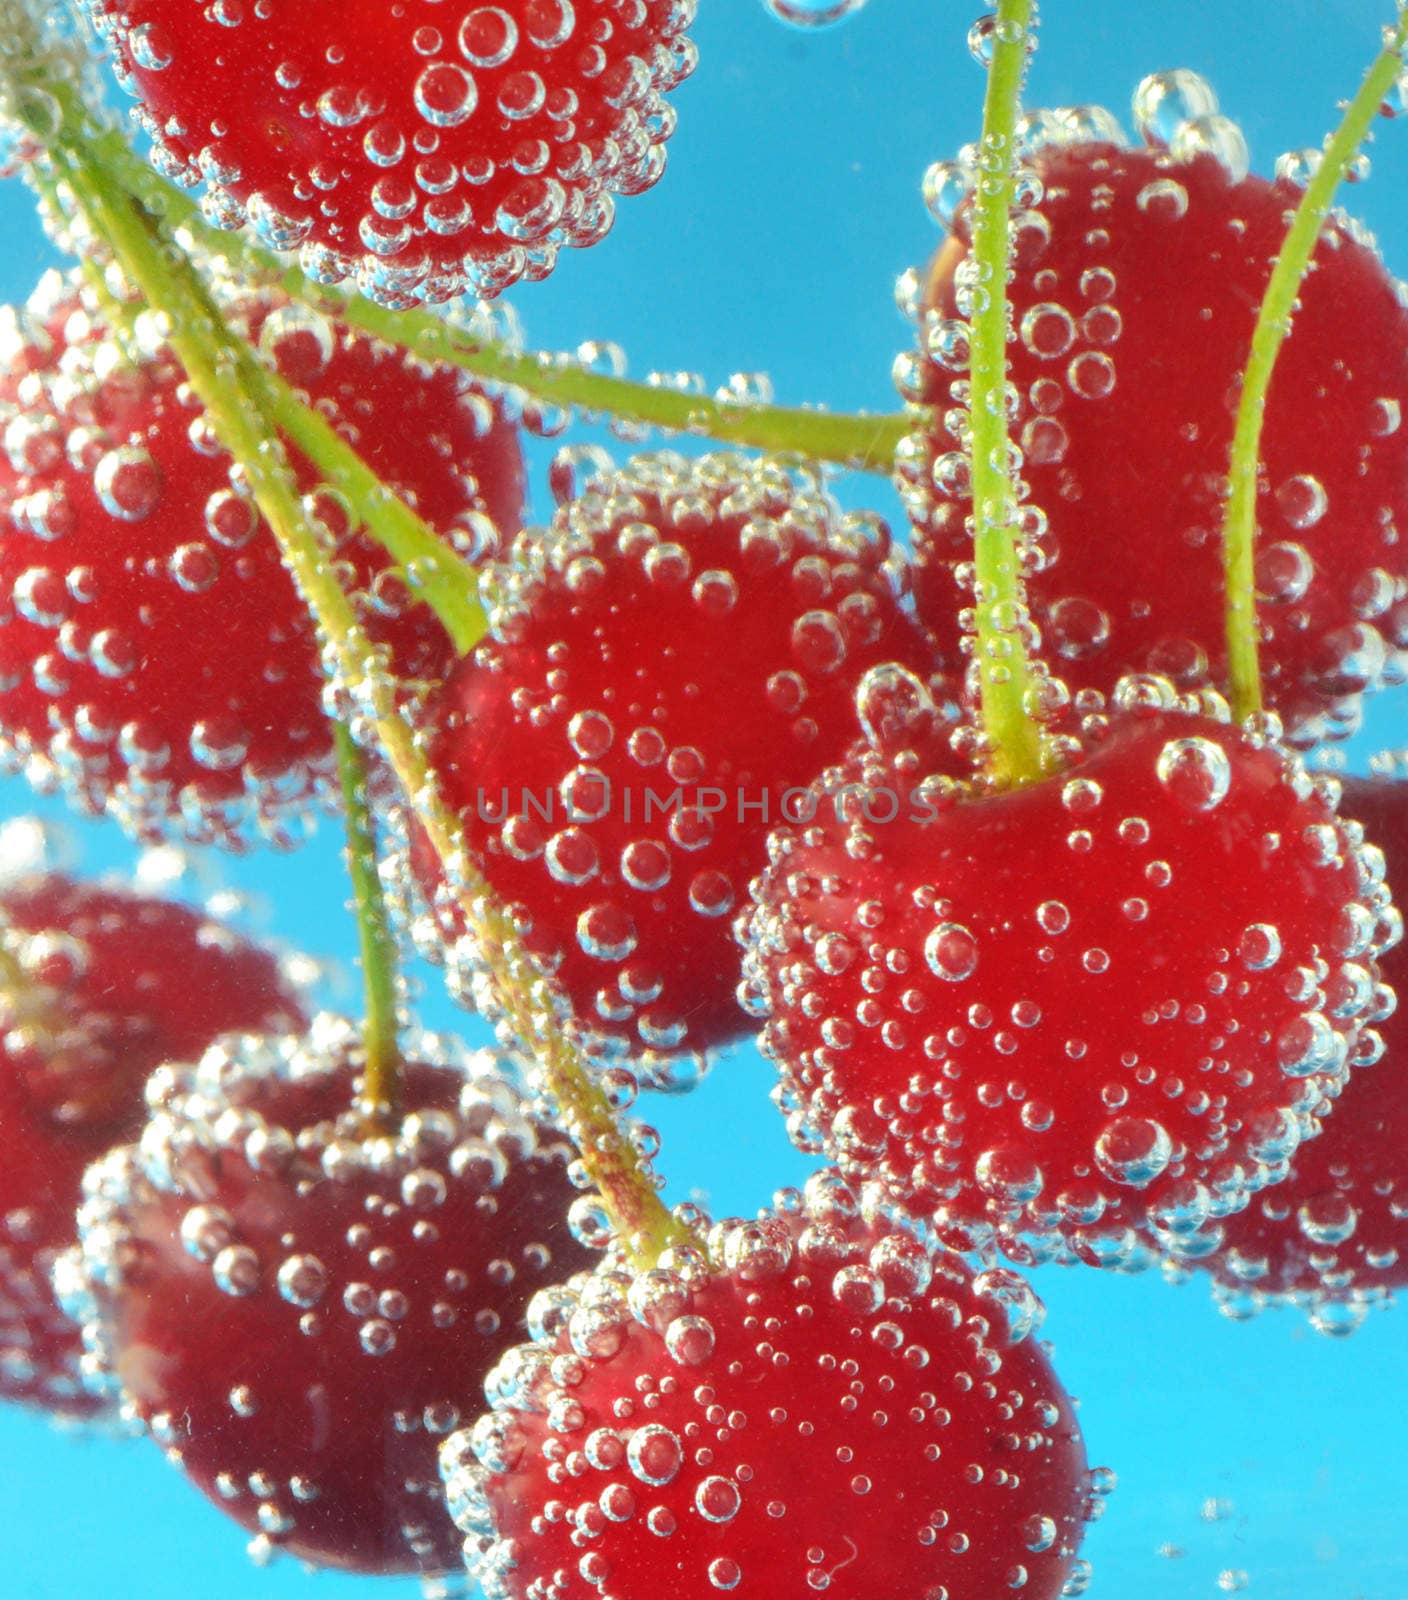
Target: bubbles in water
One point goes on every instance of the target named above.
(1165, 101)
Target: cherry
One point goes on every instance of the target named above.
(425, 149)
(299, 1308)
(1130, 255)
(1333, 1235)
(155, 659)
(816, 1403)
(104, 984)
(1050, 1012)
(682, 653)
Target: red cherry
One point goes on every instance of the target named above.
(816, 1404)
(1333, 1236)
(155, 658)
(1048, 1013)
(299, 1310)
(688, 629)
(425, 150)
(1131, 255)
(109, 984)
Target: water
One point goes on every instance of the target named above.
(1258, 1456)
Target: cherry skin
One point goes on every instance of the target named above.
(1130, 255)
(1047, 1014)
(425, 149)
(155, 659)
(1333, 1235)
(298, 1307)
(685, 629)
(816, 1401)
(103, 985)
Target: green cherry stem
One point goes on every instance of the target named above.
(381, 1041)
(865, 443)
(216, 364)
(1273, 324)
(448, 584)
(1005, 676)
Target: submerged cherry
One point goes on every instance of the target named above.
(100, 985)
(675, 655)
(1045, 1014)
(1332, 1236)
(299, 1307)
(156, 661)
(425, 149)
(814, 1403)
(1138, 277)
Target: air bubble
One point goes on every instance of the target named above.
(1048, 331)
(303, 1280)
(717, 1499)
(1302, 501)
(690, 1341)
(1196, 773)
(1165, 102)
(654, 1454)
(952, 952)
(1215, 136)
(488, 37)
(128, 483)
(812, 14)
(1133, 1151)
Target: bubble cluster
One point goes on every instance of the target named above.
(98, 984)
(155, 659)
(1122, 254)
(420, 152)
(299, 1306)
(42, 57)
(671, 660)
(812, 1400)
(1115, 996)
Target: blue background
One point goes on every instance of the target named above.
(790, 207)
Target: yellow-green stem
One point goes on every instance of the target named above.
(1273, 324)
(26, 1006)
(1004, 671)
(381, 1043)
(866, 443)
(448, 584)
(214, 364)
(41, 179)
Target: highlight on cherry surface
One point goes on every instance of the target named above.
(421, 153)
(1047, 1017)
(810, 1400)
(1123, 255)
(298, 1310)
(101, 980)
(156, 661)
(669, 661)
